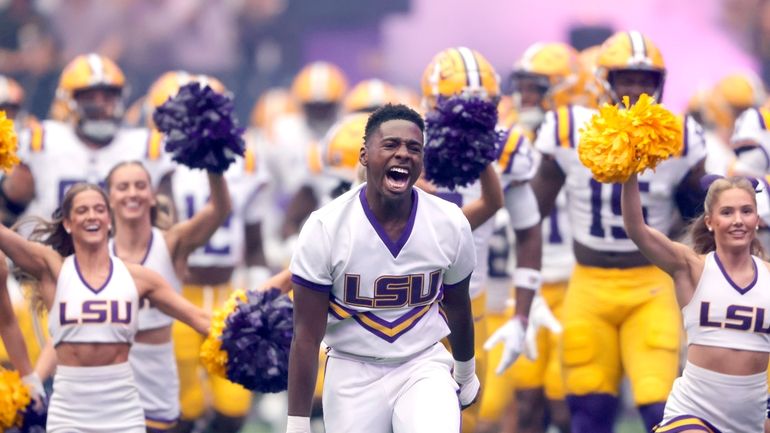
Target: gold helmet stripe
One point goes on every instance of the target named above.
(376, 90)
(638, 48)
(97, 68)
(472, 69)
(319, 81)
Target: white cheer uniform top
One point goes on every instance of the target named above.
(84, 314)
(723, 314)
(159, 260)
(383, 294)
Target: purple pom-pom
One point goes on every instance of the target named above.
(33, 421)
(257, 338)
(200, 128)
(461, 140)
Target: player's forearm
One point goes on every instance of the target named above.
(303, 370)
(457, 306)
(631, 208)
(220, 197)
(17, 349)
(529, 250)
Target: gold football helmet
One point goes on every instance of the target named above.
(456, 71)
(629, 51)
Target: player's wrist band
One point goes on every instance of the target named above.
(298, 424)
(464, 370)
(527, 278)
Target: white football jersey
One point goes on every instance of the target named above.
(723, 314)
(159, 260)
(58, 159)
(383, 294)
(751, 132)
(245, 181)
(84, 314)
(594, 207)
(517, 163)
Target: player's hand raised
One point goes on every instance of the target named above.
(512, 335)
(540, 316)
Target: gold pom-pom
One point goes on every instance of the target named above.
(617, 143)
(212, 355)
(14, 398)
(8, 143)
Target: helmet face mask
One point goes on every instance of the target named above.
(634, 82)
(628, 61)
(99, 111)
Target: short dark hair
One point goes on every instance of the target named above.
(391, 112)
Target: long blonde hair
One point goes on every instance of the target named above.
(702, 239)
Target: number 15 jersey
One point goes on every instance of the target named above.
(594, 207)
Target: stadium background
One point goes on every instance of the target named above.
(255, 44)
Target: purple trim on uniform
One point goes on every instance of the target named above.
(557, 137)
(336, 302)
(146, 253)
(509, 166)
(741, 290)
(761, 118)
(356, 315)
(396, 247)
(107, 281)
(162, 419)
(452, 286)
(324, 288)
(690, 427)
(571, 127)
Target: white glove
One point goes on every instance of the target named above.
(512, 336)
(539, 316)
(36, 389)
(298, 424)
(464, 374)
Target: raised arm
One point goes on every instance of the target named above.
(668, 255)
(36, 259)
(491, 200)
(151, 285)
(184, 237)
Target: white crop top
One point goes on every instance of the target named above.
(723, 314)
(83, 314)
(159, 260)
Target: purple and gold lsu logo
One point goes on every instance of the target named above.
(738, 317)
(97, 311)
(393, 291)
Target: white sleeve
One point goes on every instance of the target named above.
(752, 162)
(750, 128)
(311, 263)
(522, 206)
(24, 143)
(465, 259)
(694, 142)
(517, 161)
(546, 135)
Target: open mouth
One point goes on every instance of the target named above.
(92, 228)
(397, 179)
(132, 204)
